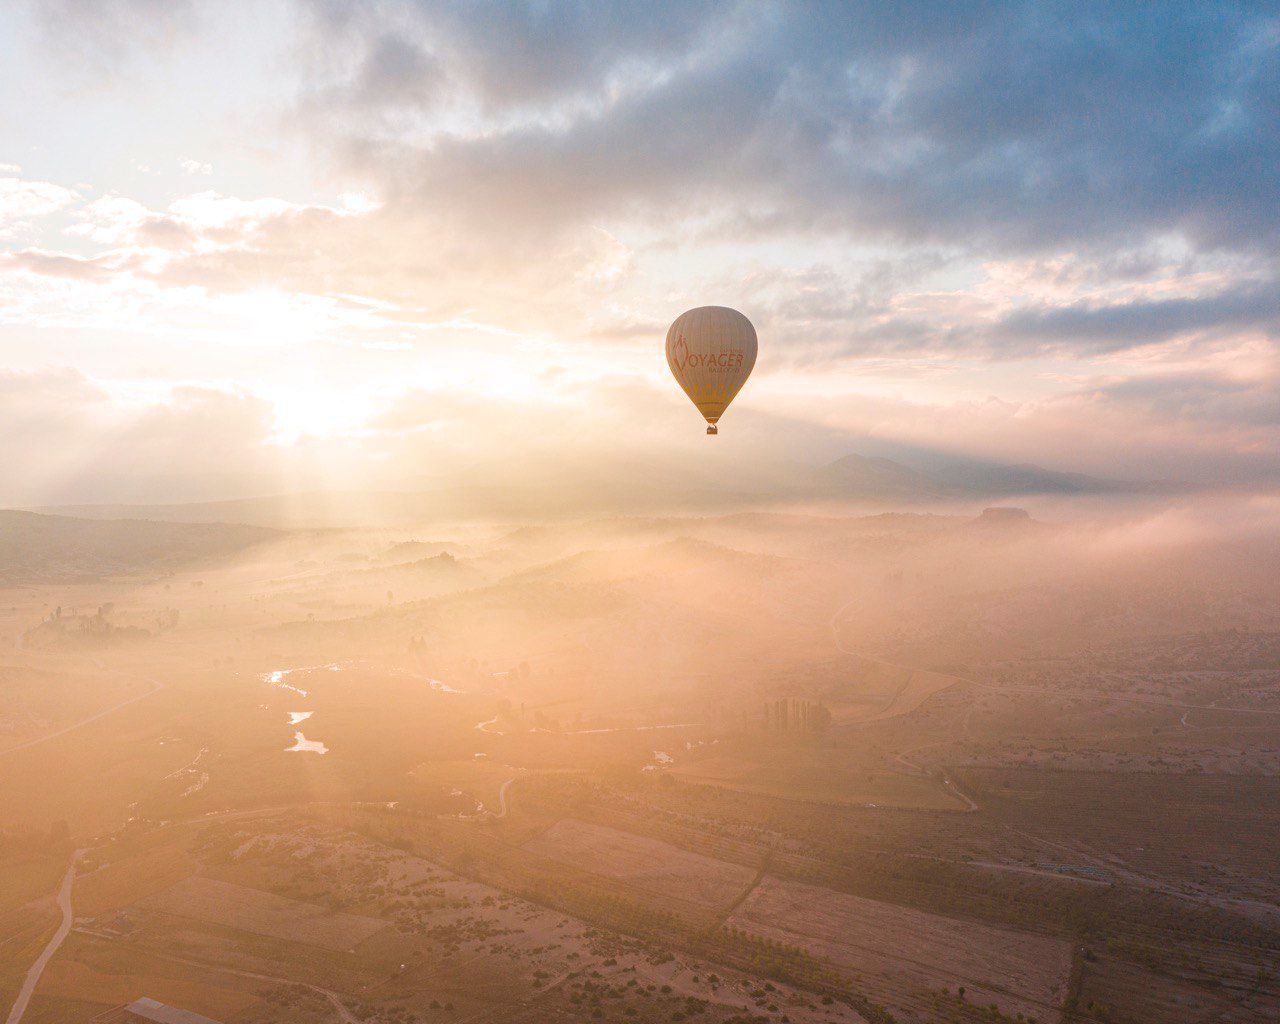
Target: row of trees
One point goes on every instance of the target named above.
(794, 716)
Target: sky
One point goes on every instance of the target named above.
(258, 247)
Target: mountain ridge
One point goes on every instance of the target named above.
(855, 477)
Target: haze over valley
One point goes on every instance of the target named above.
(544, 512)
(910, 765)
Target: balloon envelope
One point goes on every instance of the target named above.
(711, 351)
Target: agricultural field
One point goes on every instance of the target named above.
(649, 865)
(878, 690)
(822, 779)
(73, 981)
(474, 948)
(902, 957)
(249, 910)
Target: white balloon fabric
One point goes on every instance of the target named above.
(711, 351)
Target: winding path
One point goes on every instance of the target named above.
(339, 1007)
(502, 797)
(893, 710)
(155, 688)
(971, 805)
(42, 961)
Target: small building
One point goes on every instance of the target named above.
(119, 926)
(150, 1010)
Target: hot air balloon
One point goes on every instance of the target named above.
(711, 351)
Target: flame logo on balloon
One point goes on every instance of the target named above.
(681, 352)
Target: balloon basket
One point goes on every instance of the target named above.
(712, 429)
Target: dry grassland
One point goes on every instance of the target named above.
(648, 864)
(882, 690)
(897, 954)
(70, 979)
(263, 913)
(126, 881)
(23, 879)
(1135, 993)
(821, 783)
(493, 952)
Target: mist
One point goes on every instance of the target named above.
(612, 513)
(605, 729)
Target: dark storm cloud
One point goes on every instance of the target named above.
(1009, 126)
(1188, 397)
(509, 54)
(1107, 328)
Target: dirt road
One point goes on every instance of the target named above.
(502, 797)
(42, 961)
(339, 1007)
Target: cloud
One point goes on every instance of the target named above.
(61, 265)
(1104, 144)
(22, 202)
(402, 264)
(100, 37)
(1037, 231)
(1113, 326)
(74, 439)
(502, 55)
(69, 439)
(550, 167)
(1193, 427)
(1017, 126)
(1207, 400)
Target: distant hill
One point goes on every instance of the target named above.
(1002, 519)
(939, 478)
(669, 559)
(441, 568)
(37, 548)
(414, 551)
(548, 498)
(629, 489)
